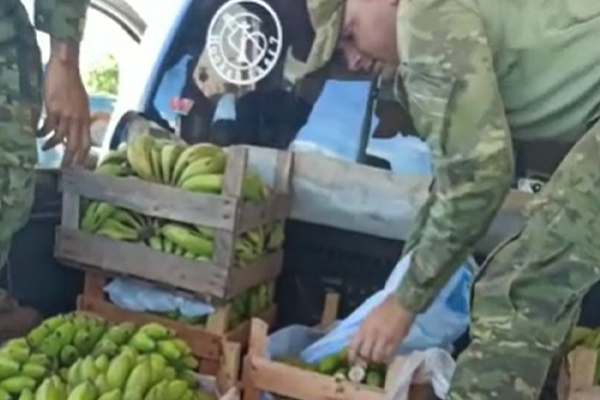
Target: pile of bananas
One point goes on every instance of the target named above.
(75, 357)
(196, 168)
(338, 366)
(242, 307)
(588, 338)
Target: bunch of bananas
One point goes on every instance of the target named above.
(196, 168)
(105, 362)
(588, 338)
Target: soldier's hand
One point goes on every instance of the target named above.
(67, 111)
(381, 332)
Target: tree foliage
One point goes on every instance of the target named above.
(104, 77)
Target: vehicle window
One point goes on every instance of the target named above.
(105, 46)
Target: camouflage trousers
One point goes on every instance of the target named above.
(527, 296)
(20, 105)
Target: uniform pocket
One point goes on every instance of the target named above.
(16, 200)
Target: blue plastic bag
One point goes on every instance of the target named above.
(442, 324)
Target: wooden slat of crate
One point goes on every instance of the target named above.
(85, 251)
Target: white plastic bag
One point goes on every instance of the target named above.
(433, 366)
(443, 323)
(133, 295)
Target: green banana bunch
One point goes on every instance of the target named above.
(155, 159)
(95, 214)
(117, 230)
(139, 155)
(188, 239)
(191, 154)
(214, 164)
(113, 169)
(205, 183)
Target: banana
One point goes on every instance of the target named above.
(65, 333)
(121, 333)
(204, 165)
(169, 373)
(169, 350)
(187, 395)
(101, 363)
(8, 367)
(17, 384)
(208, 233)
(155, 159)
(68, 355)
(252, 188)
(139, 155)
(54, 322)
(192, 153)
(169, 155)
(46, 391)
(159, 391)
(186, 238)
(88, 369)
(83, 340)
(142, 342)
(116, 230)
(74, 374)
(112, 395)
(127, 218)
(113, 169)
(103, 212)
(130, 352)
(84, 391)
(208, 183)
(276, 236)
(87, 224)
(106, 347)
(60, 387)
(168, 246)
(118, 371)
(41, 359)
(176, 389)
(156, 243)
(190, 362)
(257, 238)
(182, 346)
(27, 394)
(138, 382)
(34, 371)
(156, 331)
(158, 364)
(118, 156)
(101, 383)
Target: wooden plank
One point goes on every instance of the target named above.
(139, 261)
(237, 162)
(330, 310)
(203, 344)
(152, 199)
(265, 269)
(304, 385)
(71, 206)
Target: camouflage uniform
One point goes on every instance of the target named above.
(20, 106)
(473, 75)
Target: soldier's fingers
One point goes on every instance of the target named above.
(72, 144)
(82, 132)
(366, 348)
(379, 350)
(50, 124)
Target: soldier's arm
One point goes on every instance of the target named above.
(456, 106)
(63, 20)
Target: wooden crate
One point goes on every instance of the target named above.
(216, 281)
(206, 342)
(259, 373)
(577, 376)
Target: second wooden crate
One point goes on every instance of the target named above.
(215, 281)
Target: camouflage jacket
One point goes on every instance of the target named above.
(61, 19)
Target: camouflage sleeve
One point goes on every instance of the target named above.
(61, 19)
(454, 99)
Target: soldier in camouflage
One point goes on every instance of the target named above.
(21, 94)
(473, 75)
